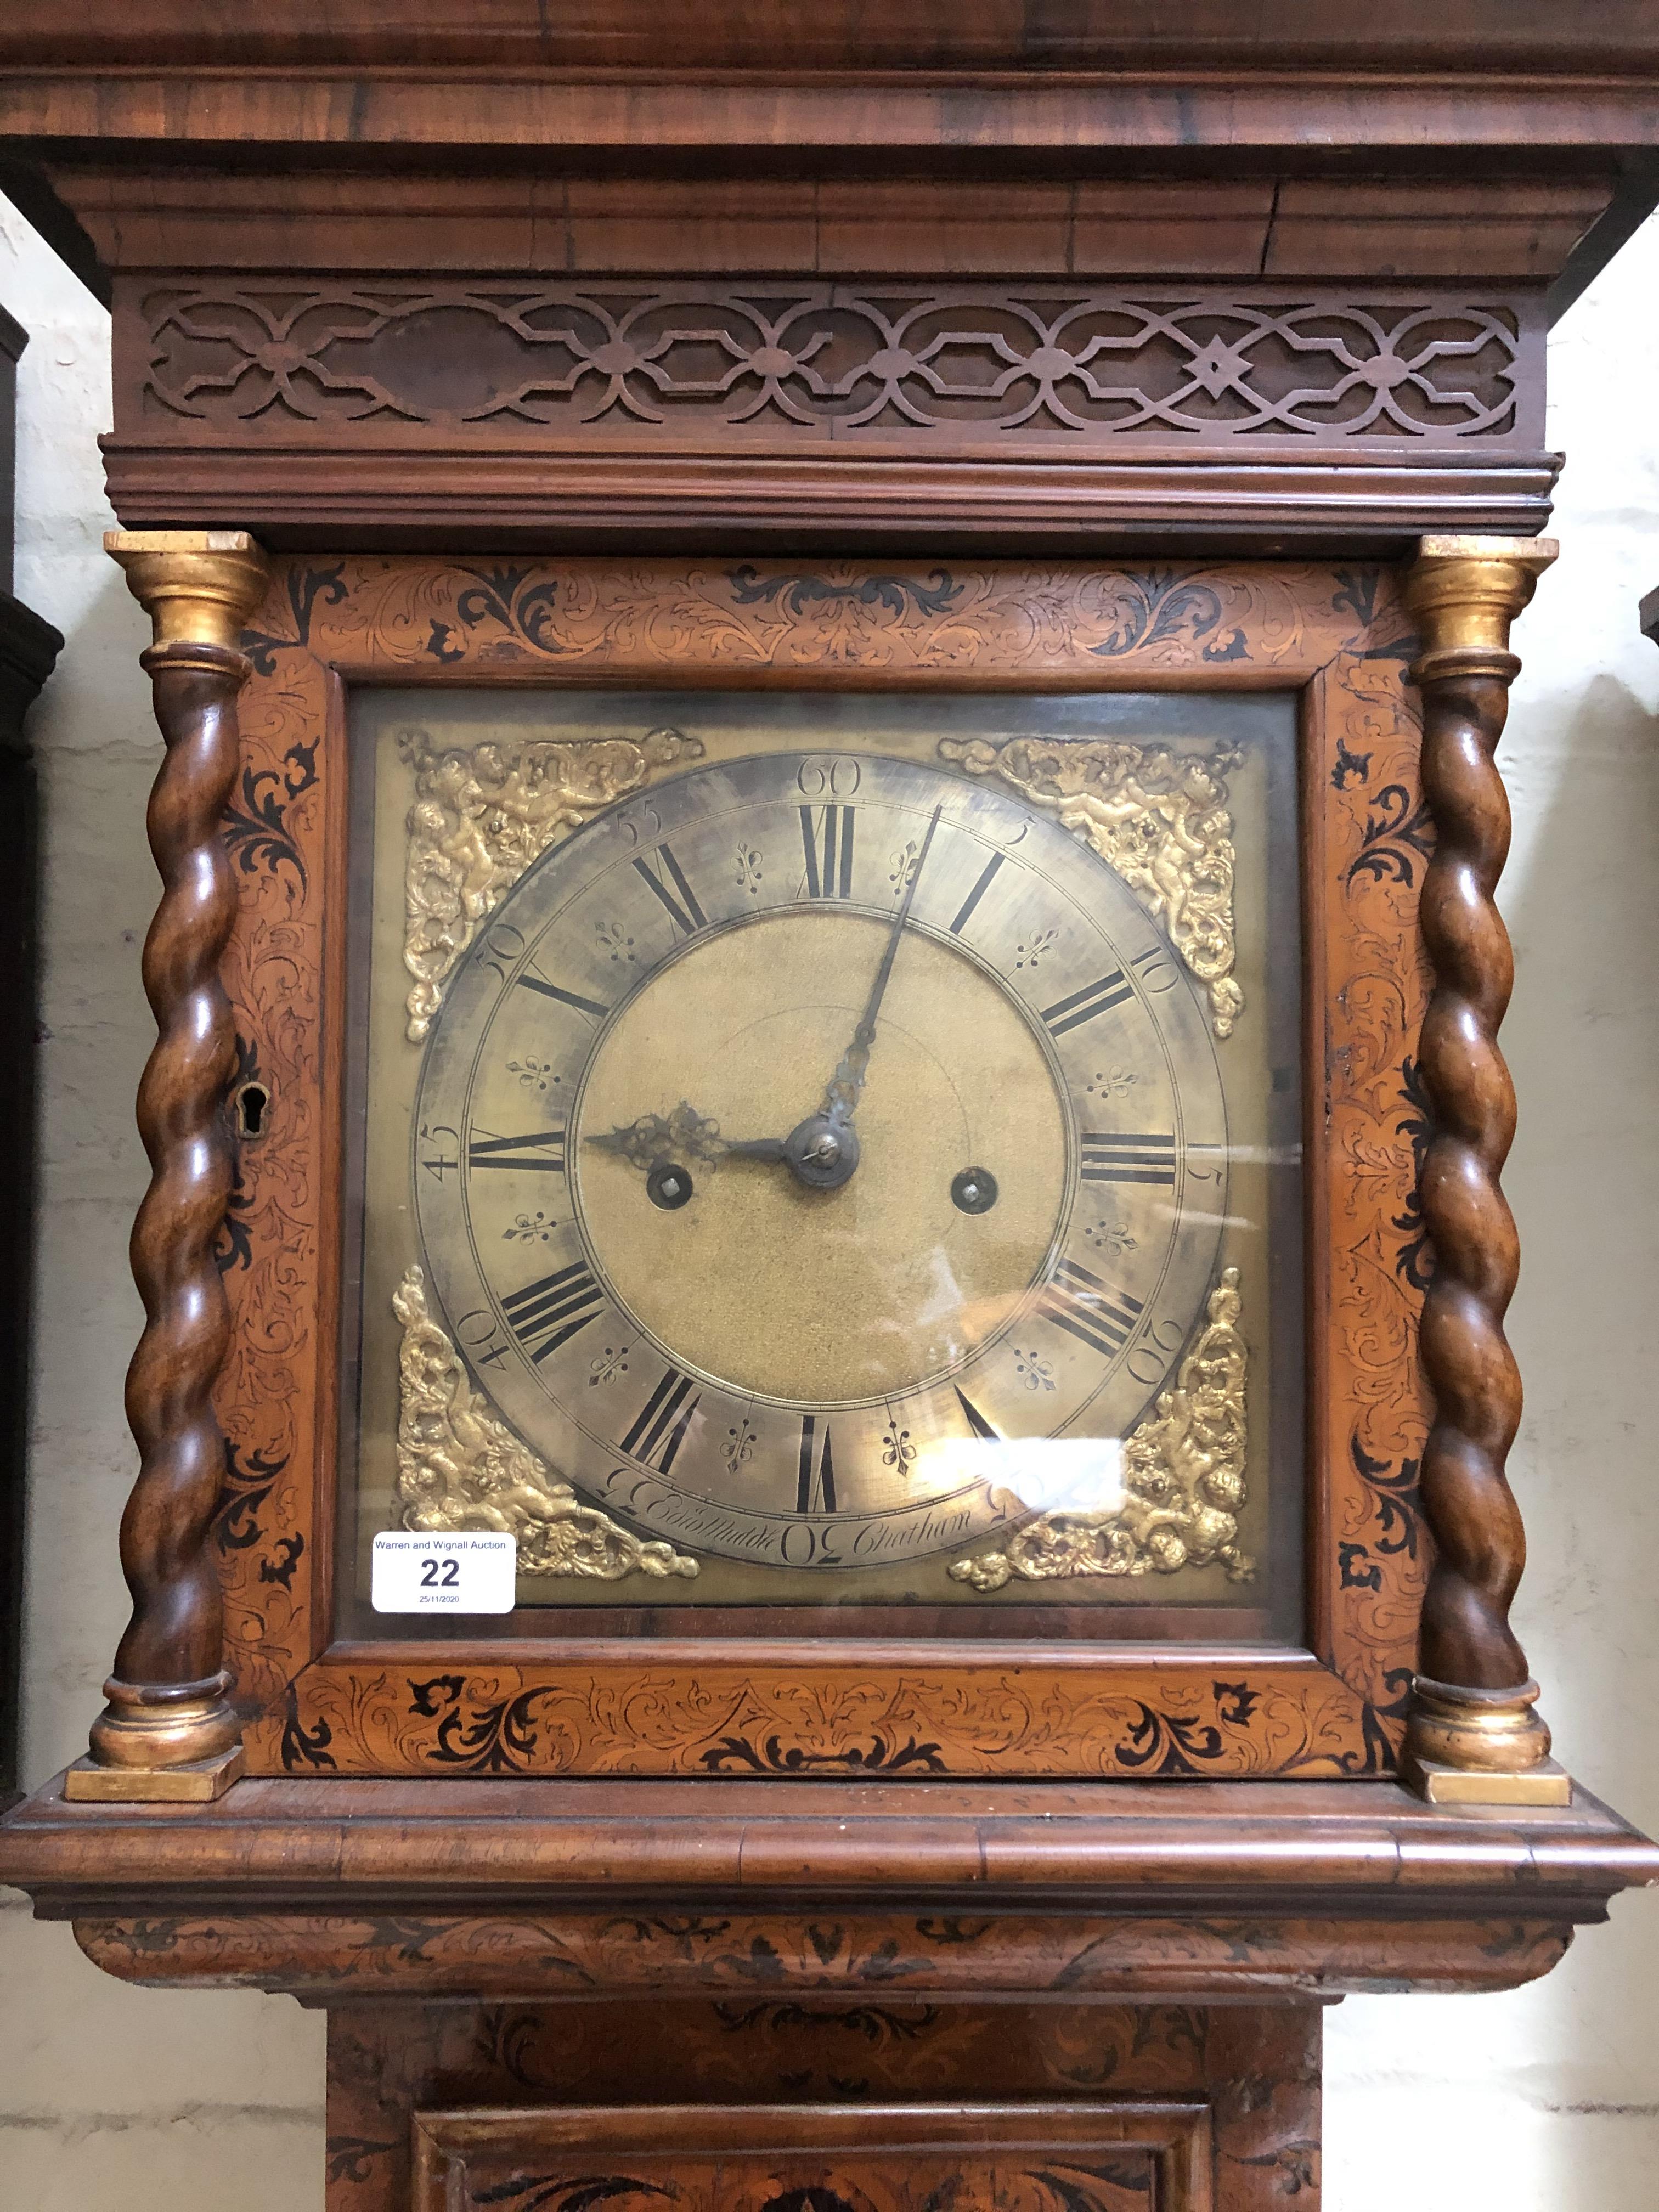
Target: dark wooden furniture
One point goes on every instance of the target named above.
(28, 649)
(685, 346)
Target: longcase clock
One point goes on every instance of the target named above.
(821, 1517)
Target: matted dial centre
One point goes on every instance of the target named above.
(823, 1297)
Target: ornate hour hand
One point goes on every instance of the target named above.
(817, 1153)
(685, 1134)
(661, 1144)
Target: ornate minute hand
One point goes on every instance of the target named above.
(821, 1151)
(841, 1096)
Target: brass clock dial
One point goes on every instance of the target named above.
(873, 1169)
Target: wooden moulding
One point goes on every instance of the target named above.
(438, 227)
(943, 1890)
(738, 2158)
(1275, 40)
(1022, 106)
(29, 646)
(490, 502)
(584, 1703)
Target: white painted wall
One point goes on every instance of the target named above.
(1547, 2100)
(113, 2099)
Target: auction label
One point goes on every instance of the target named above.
(473, 1573)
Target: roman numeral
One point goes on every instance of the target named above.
(541, 1153)
(827, 844)
(1128, 1159)
(964, 914)
(659, 1428)
(815, 1493)
(1083, 1005)
(680, 900)
(977, 1423)
(565, 998)
(553, 1309)
(1092, 1311)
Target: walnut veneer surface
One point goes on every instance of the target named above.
(282, 1844)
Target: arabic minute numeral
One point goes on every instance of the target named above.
(1110, 1157)
(637, 822)
(826, 776)
(443, 1152)
(548, 1313)
(1089, 1309)
(1151, 1360)
(1159, 972)
(1096, 998)
(660, 1424)
(480, 1339)
(501, 949)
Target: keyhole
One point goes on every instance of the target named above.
(251, 1109)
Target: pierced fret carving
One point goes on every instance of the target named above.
(661, 359)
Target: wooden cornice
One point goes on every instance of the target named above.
(1344, 124)
(1122, 122)
(1236, 229)
(1479, 37)
(820, 33)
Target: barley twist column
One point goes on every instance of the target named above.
(1473, 1735)
(168, 1729)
